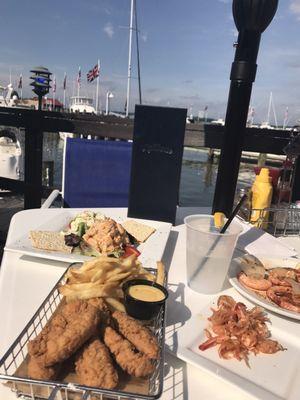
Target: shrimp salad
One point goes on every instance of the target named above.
(94, 234)
(238, 331)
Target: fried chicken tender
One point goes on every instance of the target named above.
(94, 366)
(131, 361)
(65, 333)
(37, 371)
(101, 305)
(137, 334)
(106, 236)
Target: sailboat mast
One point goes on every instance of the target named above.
(274, 113)
(129, 57)
(138, 53)
(269, 108)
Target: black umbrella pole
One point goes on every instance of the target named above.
(242, 77)
(237, 112)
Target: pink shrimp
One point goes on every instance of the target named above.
(268, 346)
(232, 348)
(260, 284)
(249, 339)
(211, 342)
(284, 297)
(277, 276)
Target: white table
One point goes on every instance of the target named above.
(25, 282)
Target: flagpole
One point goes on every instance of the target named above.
(78, 82)
(129, 58)
(65, 77)
(21, 81)
(97, 88)
(53, 93)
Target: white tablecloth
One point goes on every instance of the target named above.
(25, 282)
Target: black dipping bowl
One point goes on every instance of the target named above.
(141, 309)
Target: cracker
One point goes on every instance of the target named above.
(46, 240)
(139, 231)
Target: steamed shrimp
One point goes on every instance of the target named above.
(260, 284)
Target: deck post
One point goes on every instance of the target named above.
(33, 164)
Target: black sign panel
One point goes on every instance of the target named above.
(156, 162)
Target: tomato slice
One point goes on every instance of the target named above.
(129, 250)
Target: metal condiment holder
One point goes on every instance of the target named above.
(283, 216)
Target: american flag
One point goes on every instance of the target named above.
(54, 85)
(93, 73)
(20, 84)
(79, 77)
(65, 82)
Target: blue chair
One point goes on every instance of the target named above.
(96, 173)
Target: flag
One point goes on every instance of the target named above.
(205, 108)
(20, 84)
(93, 73)
(65, 82)
(54, 85)
(286, 115)
(79, 77)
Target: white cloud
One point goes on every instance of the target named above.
(295, 8)
(144, 37)
(109, 29)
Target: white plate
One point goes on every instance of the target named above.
(235, 268)
(270, 377)
(151, 251)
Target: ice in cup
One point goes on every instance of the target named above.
(208, 252)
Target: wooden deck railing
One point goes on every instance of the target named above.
(36, 122)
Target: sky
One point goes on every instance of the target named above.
(186, 51)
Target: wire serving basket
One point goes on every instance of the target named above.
(13, 369)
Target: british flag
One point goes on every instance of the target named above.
(93, 73)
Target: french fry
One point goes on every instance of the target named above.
(115, 304)
(98, 275)
(118, 277)
(160, 275)
(107, 290)
(103, 277)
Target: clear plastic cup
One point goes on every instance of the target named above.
(208, 253)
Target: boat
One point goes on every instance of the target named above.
(219, 121)
(10, 155)
(10, 148)
(8, 96)
(271, 107)
(82, 104)
(79, 104)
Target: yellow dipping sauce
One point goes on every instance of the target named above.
(146, 293)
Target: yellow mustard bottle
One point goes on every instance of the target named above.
(262, 191)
